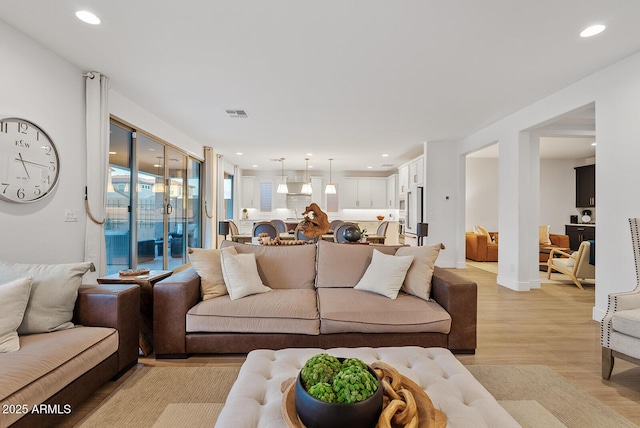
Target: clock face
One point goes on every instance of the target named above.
(29, 162)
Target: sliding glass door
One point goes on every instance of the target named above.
(162, 203)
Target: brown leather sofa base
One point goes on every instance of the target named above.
(73, 394)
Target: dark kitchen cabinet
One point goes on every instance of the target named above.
(586, 186)
(578, 233)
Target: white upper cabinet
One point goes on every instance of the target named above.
(250, 192)
(391, 201)
(416, 172)
(403, 180)
(363, 193)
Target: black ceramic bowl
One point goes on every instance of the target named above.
(316, 413)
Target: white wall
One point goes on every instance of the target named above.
(557, 193)
(481, 194)
(441, 197)
(616, 93)
(41, 87)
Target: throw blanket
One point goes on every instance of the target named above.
(592, 253)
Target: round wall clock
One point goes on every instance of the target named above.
(29, 163)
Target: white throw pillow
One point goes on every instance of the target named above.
(14, 297)
(418, 280)
(53, 293)
(385, 274)
(208, 265)
(241, 277)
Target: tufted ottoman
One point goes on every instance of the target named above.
(255, 398)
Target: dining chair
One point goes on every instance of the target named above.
(301, 236)
(280, 225)
(334, 224)
(576, 265)
(265, 227)
(382, 229)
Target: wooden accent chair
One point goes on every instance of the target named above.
(620, 327)
(575, 265)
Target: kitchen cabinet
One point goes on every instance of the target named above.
(317, 192)
(363, 193)
(392, 202)
(416, 172)
(245, 227)
(403, 180)
(586, 186)
(250, 197)
(579, 233)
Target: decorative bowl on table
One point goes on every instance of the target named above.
(344, 410)
(380, 217)
(352, 234)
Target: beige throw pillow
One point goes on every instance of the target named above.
(385, 274)
(241, 277)
(418, 280)
(14, 297)
(543, 235)
(53, 293)
(208, 265)
(482, 231)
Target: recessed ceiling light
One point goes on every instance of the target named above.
(593, 30)
(87, 17)
(369, 167)
(593, 144)
(112, 153)
(254, 166)
(309, 154)
(385, 155)
(239, 153)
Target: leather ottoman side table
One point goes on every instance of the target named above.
(146, 283)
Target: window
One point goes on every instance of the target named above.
(266, 191)
(153, 202)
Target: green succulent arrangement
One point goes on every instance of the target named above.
(327, 379)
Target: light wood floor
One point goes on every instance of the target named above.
(550, 326)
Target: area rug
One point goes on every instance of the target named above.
(516, 387)
(535, 396)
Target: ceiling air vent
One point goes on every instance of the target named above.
(236, 113)
(386, 165)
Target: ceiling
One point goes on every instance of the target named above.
(346, 80)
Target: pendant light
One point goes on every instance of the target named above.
(282, 187)
(306, 187)
(331, 188)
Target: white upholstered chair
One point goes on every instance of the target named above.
(575, 265)
(620, 327)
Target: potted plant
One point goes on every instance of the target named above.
(337, 392)
(245, 213)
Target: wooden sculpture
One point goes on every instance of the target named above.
(315, 223)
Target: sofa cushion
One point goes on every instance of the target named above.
(279, 311)
(53, 293)
(418, 279)
(48, 362)
(14, 297)
(240, 274)
(374, 313)
(627, 322)
(543, 235)
(342, 265)
(209, 267)
(385, 274)
(299, 262)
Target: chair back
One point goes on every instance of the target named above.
(280, 225)
(382, 229)
(582, 268)
(265, 227)
(334, 224)
(338, 234)
(233, 228)
(301, 236)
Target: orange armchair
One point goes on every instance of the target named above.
(480, 248)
